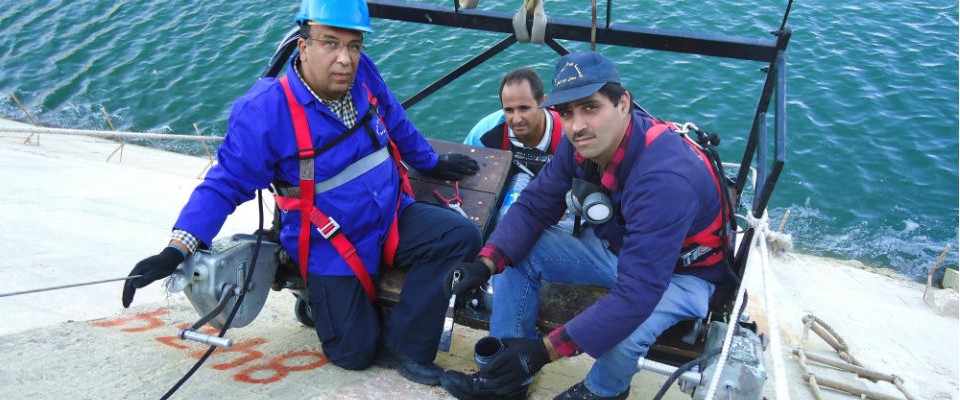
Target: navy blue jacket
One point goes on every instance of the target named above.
(666, 193)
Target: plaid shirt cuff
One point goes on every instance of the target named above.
(499, 259)
(562, 343)
(186, 238)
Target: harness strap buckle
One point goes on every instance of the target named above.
(685, 128)
(695, 254)
(329, 229)
(306, 170)
(306, 153)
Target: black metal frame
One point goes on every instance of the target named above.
(557, 28)
(771, 51)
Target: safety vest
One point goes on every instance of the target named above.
(706, 247)
(311, 216)
(555, 135)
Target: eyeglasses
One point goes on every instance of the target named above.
(334, 46)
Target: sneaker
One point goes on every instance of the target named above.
(580, 391)
(422, 373)
(474, 387)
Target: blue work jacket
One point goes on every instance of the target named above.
(260, 148)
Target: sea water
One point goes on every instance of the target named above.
(872, 164)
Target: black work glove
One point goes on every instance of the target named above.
(471, 275)
(519, 361)
(151, 268)
(454, 167)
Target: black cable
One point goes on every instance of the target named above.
(189, 373)
(236, 306)
(726, 213)
(706, 355)
(707, 142)
(684, 368)
(786, 13)
(68, 286)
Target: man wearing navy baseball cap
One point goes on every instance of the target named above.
(579, 75)
(648, 213)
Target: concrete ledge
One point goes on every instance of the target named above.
(951, 280)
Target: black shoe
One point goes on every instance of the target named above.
(580, 391)
(473, 387)
(422, 373)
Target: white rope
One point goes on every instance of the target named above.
(759, 245)
(777, 241)
(757, 224)
(727, 339)
(30, 130)
(762, 236)
(773, 324)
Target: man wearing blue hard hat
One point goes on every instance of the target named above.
(644, 198)
(328, 138)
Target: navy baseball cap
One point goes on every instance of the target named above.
(580, 75)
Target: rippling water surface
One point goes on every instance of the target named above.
(871, 172)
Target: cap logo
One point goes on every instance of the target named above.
(574, 75)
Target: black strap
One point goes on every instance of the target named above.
(591, 172)
(343, 136)
(709, 141)
(280, 185)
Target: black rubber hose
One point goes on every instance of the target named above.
(236, 307)
(684, 368)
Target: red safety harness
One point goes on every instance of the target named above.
(311, 215)
(555, 135)
(705, 247)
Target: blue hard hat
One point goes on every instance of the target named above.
(347, 14)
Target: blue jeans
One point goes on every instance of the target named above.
(558, 256)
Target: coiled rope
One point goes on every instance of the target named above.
(849, 364)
